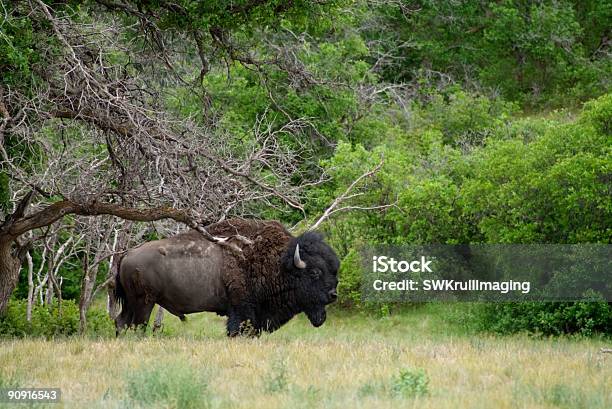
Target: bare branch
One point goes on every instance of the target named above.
(333, 208)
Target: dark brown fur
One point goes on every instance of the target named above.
(264, 289)
(259, 264)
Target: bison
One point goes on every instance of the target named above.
(263, 278)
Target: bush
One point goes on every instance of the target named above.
(48, 322)
(542, 180)
(168, 385)
(349, 285)
(410, 383)
(547, 318)
(465, 119)
(99, 323)
(277, 379)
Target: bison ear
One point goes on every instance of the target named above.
(297, 260)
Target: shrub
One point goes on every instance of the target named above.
(48, 322)
(465, 119)
(531, 180)
(167, 385)
(410, 383)
(349, 285)
(547, 318)
(99, 323)
(276, 380)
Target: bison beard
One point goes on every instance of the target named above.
(273, 278)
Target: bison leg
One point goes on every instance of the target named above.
(241, 321)
(233, 325)
(124, 319)
(142, 313)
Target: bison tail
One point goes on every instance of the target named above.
(119, 292)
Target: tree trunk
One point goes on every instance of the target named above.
(87, 287)
(49, 292)
(50, 268)
(9, 272)
(30, 287)
(120, 243)
(56, 286)
(159, 317)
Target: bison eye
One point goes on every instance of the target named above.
(315, 273)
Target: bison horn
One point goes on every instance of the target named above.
(296, 258)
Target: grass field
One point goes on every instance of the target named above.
(416, 359)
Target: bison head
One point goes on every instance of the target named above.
(313, 266)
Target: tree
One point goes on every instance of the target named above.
(87, 128)
(534, 52)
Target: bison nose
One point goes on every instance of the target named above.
(333, 295)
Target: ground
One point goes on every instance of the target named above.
(416, 359)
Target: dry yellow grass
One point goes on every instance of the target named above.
(351, 362)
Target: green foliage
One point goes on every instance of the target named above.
(527, 182)
(533, 52)
(553, 189)
(349, 276)
(4, 192)
(48, 322)
(277, 380)
(410, 383)
(167, 385)
(463, 118)
(584, 318)
(99, 324)
(523, 181)
(17, 49)
(598, 114)
(242, 16)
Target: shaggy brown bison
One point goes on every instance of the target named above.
(274, 277)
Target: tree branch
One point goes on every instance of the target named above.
(344, 196)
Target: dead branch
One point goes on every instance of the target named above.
(333, 208)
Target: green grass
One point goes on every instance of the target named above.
(433, 320)
(425, 357)
(167, 383)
